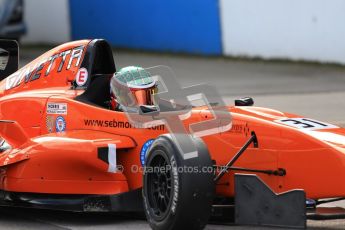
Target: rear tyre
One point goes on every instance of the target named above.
(180, 194)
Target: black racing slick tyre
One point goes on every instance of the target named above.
(177, 193)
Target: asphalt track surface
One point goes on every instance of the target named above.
(313, 90)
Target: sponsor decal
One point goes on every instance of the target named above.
(50, 123)
(63, 60)
(60, 124)
(306, 124)
(236, 128)
(176, 184)
(57, 108)
(247, 130)
(81, 77)
(119, 124)
(240, 128)
(143, 151)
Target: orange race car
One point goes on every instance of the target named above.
(67, 144)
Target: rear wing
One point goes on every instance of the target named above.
(9, 57)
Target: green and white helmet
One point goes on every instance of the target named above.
(134, 80)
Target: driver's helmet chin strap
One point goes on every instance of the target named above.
(115, 105)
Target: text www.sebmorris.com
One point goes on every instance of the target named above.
(118, 124)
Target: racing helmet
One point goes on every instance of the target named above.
(133, 86)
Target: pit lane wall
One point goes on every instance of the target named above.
(188, 26)
(47, 21)
(290, 29)
(310, 30)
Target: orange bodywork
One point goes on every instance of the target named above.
(44, 160)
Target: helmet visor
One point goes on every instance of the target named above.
(144, 96)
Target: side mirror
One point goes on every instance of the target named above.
(245, 101)
(9, 59)
(4, 56)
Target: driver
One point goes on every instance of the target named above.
(131, 87)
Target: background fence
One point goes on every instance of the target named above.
(309, 30)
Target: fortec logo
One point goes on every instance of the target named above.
(118, 124)
(58, 62)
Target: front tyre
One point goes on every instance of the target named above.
(177, 193)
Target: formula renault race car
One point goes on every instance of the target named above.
(63, 148)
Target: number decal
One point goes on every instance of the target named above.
(306, 123)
